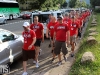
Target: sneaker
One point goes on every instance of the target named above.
(37, 65)
(40, 51)
(25, 73)
(34, 62)
(59, 63)
(52, 60)
(65, 58)
(72, 55)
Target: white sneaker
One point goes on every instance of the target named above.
(59, 63)
(25, 73)
(34, 61)
(37, 65)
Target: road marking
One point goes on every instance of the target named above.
(13, 23)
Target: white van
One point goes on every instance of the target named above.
(43, 16)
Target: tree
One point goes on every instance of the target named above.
(95, 3)
(22, 1)
(65, 4)
(80, 4)
(72, 3)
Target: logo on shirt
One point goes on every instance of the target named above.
(74, 25)
(51, 27)
(27, 35)
(36, 27)
(61, 27)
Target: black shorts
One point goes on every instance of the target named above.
(28, 54)
(38, 42)
(60, 46)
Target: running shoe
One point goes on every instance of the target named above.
(37, 65)
(25, 73)
(59, 63)
(72, 55)
(65, 58)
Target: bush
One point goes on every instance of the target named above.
(97, 10)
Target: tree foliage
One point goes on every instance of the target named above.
(79, 4)
(64, 4)
(95, 3)
(72, 3)
(39, 4)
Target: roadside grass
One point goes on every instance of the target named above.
(88, 68)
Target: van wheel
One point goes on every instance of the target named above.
(10, 17)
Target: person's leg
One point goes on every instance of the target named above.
(37, 50)
(25, 58)
(57, 50)
(24, 65)
(72, 42)
(52, 51)
(64, 50)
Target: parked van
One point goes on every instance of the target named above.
(43, 16)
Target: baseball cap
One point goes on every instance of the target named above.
(26, 24)
(60, 18)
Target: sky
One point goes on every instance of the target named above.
(87, 1)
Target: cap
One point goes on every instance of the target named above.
(26, 24)
(60, 18)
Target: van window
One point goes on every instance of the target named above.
(42, 17)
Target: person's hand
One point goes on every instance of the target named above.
(30, 47)
(68, 43)
(42, 40)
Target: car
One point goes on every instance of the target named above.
(3, 20)
(26, 15)
(22, 13)
(10, 46)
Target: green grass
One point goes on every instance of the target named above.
(88, 68)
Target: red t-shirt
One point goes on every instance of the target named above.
(37, 29)
(67, 20)
(61, 30)
(51, 28)
(80, 19)
(73, 28)
(28, 39)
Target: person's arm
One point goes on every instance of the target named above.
(42, 35)
(33, 42)
(68, 36)
(54, 36)
(47, 32)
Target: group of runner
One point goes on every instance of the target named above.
(62, 32)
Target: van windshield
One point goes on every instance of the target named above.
(42, 17)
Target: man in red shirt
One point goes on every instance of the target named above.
(28, 46)
(73, 34)
(39, 31)
(60, 32)
(50, 29)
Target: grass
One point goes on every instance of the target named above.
(88, 68)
